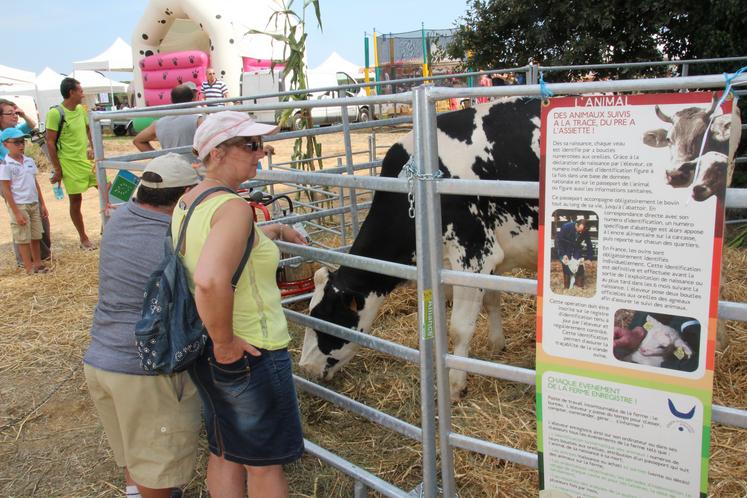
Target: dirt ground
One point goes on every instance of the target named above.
(52, 444)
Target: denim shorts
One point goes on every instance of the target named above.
(250, 407)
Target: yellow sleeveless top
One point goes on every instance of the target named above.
(258, 316)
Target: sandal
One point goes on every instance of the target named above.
(90, 246)
(42, 269)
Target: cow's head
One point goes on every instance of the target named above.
(323, 354)
(712, 177)
(573, 265)
(685, 138)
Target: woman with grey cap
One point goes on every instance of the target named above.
(151, 421)
(244, 377)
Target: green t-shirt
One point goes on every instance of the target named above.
(72, 144)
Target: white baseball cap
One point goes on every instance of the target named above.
(174, 170)
(224, 125)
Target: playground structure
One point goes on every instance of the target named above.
(433, 431)
(218, 29)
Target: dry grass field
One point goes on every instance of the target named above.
(52, 444)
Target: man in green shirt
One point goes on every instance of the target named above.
(71, 157)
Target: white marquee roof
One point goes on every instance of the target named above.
(118, 57)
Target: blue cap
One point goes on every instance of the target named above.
(9, 133)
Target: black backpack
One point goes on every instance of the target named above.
(170, 335)
(61, 110)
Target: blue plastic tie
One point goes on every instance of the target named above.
(726, 93)
(545, 92)
(728, 80)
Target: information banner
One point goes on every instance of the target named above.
(631, 220)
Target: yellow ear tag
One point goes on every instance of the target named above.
(648, 326)
(679, 353)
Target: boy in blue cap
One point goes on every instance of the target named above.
(24, 199)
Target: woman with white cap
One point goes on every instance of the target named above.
(244, 377)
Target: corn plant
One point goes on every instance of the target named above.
(306, 150)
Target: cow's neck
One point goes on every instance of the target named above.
(386, 234)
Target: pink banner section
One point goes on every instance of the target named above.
(252, 64)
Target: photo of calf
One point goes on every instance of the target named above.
(698, 140)
(573, 258)
(656, 339)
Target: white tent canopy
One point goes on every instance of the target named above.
(12, 76)
(118, 57)
(337, 63)
(17, 86)
(93, 82)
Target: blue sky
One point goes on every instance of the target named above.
(55, 33)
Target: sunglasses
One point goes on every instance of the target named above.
(16, 141)
(254, 145)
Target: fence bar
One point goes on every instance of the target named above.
(708, 81)
(358, 473)
(369, 264)
(295, 218)
(729, 310)
(497, 370)
(726, 415)
(365, 340)
(315, 178)
(365, 411)
(684, 62)
(521, 457)
(431, 315)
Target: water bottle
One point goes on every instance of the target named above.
(59, 194)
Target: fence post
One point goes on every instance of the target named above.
(431, 314)
(343, 237)
(349, 164)
(97, 137)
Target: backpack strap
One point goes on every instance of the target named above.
(244, 259)
(183, 231)
(61, 110)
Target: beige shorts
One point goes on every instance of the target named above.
(32, 230)
(150, 430)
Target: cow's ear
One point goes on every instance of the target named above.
(655, 138)
(353, 301)
(321, 276)
(721, 128)
(661, 115)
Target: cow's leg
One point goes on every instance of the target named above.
(467, 304)
(492, 302)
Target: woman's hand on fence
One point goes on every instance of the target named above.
(233, 350)
(291, 235)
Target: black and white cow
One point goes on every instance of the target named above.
(496, 141)
(685, 139)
